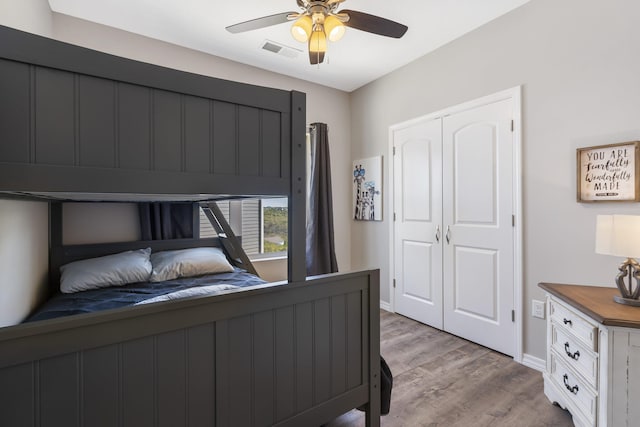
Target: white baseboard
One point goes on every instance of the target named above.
(385, 306)
(534, 362)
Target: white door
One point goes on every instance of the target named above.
(454, 240)
(417, 227)
(477, 220)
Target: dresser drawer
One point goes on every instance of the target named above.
(576, 325)
(576, 392)
(573, 353)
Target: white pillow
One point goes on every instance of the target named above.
(169, 265)
(111, 270)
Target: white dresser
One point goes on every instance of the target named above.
(593, 355)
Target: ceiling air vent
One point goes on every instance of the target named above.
(280, 49)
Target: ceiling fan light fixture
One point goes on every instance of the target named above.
(317, 45)
(333, 28)
(318, 40)
(301, 29)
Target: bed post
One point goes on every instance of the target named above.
(195, 220)
(372, 414)
(55, 240)
(297, 266)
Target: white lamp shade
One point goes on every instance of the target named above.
(618, 235)
(333, 28)
(318, 41)
(301, 29)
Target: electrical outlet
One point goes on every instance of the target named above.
(537, 309)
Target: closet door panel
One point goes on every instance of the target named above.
(417, 226)
(475, 192)
(476, 289)
(416, 267)
(477, 214)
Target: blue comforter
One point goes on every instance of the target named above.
(114, 297)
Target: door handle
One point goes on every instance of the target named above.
(438, 234)
(448, 234)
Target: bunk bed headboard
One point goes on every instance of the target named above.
(77, 121)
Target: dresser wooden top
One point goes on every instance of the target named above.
(596, 302)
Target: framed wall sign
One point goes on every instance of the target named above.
(367, 189)
(609, 173)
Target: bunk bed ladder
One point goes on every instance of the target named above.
(230, 242)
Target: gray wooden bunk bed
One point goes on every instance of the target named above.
(79, 124)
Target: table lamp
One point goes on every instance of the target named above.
(619, 235)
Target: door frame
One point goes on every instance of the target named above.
(515, 94)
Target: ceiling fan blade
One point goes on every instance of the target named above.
(265, 21)
(374, 24)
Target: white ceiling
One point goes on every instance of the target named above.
(352, 62)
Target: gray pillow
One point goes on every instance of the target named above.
(168, 265)
(111, 270)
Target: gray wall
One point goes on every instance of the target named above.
(33, 16)
(579, 67)
(24, 256)
(84, 223)
(24, 232)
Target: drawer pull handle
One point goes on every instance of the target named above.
(574, 356)
(567, 322)
(573, 389)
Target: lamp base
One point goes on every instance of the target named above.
(626, 301)
(629, 294)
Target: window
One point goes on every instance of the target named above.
(275, 221)
(261, 223)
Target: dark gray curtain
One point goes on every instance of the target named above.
(162, 221)
(321, 256)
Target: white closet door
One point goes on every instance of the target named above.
(417, 228)
(477, 220)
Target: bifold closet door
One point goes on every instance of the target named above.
(418, 217)
(477, 220)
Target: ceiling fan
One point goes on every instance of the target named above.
(320, 20)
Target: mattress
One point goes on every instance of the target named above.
(139, 293)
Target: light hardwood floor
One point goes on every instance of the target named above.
(443, 380)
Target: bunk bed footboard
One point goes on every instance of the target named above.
(287, 355)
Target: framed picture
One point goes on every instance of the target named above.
(367, 189)
(609, 173)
